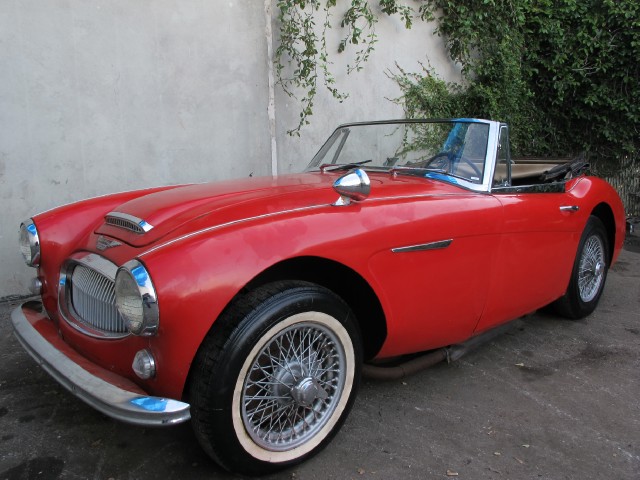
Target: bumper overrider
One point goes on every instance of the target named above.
(112, 395)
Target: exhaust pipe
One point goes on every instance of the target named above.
(433, 357)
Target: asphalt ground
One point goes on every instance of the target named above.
(549, 399)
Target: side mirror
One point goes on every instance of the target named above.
(354, 185)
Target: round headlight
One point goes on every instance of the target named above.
(30, 243)
(136, 299)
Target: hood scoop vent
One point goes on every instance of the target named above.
(127, 222)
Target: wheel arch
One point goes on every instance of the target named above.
(605, 213)
(344, 282)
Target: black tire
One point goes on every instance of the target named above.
(589, 273)
(275, 378)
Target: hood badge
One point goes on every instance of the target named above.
(103, 243)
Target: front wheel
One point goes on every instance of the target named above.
(275, 379)
(589, 273)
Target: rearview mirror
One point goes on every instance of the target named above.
(354, 185)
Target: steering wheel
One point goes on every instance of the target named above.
(473, 166)
(440, 161)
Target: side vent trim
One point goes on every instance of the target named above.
(127, 222)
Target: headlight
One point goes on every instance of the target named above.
(30, 243)
(136, 299)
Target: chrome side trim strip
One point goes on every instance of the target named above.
(228, 224)
(284, 212)
(123, 405)
(425, 246)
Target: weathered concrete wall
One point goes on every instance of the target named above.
(108, 96)
(103, 96)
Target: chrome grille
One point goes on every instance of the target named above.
(124, 223)
(94, 301)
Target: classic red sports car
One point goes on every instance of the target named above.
(250, 306)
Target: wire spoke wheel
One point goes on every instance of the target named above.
(293, 386)
(591, 269)
(276, 376)
(589, 272)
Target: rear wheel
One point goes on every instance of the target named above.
(589, 273)
(273, 383)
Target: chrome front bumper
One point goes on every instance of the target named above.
(37, 335)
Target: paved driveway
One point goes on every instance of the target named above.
(550, 399)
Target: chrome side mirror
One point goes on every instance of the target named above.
(352, 186)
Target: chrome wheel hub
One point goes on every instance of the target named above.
(294, 383)
(597, 271)
(591, 269)
(285, 379)
(307, 391)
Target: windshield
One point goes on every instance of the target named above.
(452, 147)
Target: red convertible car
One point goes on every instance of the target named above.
(251, 306)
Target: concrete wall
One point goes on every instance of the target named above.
(104, 96)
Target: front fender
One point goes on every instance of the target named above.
(198, 276)
(62, 229)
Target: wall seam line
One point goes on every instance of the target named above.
(271, 107)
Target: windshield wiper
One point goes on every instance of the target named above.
(332, 167)
(416, 170)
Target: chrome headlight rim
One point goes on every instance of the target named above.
(30, 243)
(134, 282)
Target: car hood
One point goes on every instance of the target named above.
(191, 207)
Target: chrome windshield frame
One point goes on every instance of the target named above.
(489, 161)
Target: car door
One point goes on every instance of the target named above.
(433, 278)
(536, 250)
(535, 254)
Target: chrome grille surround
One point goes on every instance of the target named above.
(86, 296)
(127, 222)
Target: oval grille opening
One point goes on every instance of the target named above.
(94, 300)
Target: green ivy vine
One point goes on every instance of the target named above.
(563, 73)
(303, 44)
